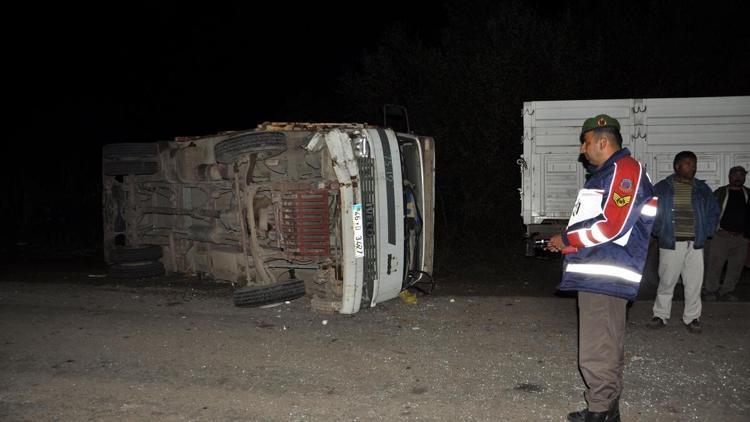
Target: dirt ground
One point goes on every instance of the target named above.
(488, 346)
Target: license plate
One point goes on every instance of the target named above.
(359, 238)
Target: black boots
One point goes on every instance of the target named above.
(613, 415)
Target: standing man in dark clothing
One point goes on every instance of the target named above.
(687, 216)
(605, 243)
(730, 242)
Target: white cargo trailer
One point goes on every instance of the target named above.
(717, 129)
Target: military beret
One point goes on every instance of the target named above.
(599, 122)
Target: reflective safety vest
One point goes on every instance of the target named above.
(610, 226)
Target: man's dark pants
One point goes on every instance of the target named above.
(601, 338)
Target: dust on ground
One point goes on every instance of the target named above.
(494, 346)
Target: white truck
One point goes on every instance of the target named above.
(340, 212)
(716, 129)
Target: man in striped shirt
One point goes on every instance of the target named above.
(687, 215)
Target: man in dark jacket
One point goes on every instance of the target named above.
(687, 216)
(605, 243)
(730, 242)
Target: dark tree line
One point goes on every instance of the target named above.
(467, 88)
(462, 69)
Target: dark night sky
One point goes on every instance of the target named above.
(137, 71)
(143, 71)
(80, 76)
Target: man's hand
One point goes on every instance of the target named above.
(555, 243)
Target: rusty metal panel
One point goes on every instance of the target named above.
(304, 222)
(308, 126)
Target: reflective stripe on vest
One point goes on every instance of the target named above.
(605, 270)
(649, 210)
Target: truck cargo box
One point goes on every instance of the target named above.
(717, 129)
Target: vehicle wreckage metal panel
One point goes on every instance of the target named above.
(306, 206)
(390, 211)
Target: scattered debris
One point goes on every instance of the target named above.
(408, 297)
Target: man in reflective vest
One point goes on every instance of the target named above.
(606, 243)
